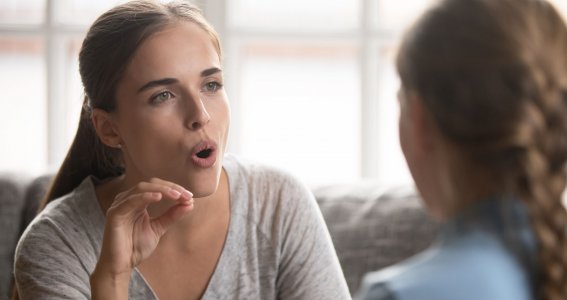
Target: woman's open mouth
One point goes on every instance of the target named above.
(203, 154)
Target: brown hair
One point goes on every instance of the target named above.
(106, 51)
(493, 75)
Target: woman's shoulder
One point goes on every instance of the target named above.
(255, 169)
(69, 221)
(454, 271)
(70, 208)
(263, 193)
(60, 247)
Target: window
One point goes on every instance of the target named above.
(313, 87)
(23, 107)
(312, 84)
(22, 12)
(42, 92)
(298, 107)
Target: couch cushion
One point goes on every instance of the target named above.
(373, 227)
(32, 197)
(12, 189)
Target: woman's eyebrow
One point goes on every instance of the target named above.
(210, 71)
(159, 82)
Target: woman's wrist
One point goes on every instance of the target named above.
(106, 285)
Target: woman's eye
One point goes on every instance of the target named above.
(212, 86)
(162, 97)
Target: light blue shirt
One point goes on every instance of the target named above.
(488, 252)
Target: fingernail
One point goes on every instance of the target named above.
(187, 194)
(174, 194)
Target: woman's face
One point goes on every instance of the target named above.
(172, 111)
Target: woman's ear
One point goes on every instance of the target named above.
(105, 128)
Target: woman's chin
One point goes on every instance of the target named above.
(201, 182)
(203, 192)
(203, 187)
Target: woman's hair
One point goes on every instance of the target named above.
(493, 76)
(106, 51)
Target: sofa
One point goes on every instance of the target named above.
(371, 226)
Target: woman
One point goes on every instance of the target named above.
(146, 204)
(483, 127)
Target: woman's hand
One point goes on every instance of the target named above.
(131, 235)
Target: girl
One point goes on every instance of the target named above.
(483, 127)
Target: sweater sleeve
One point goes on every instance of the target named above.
(309, 267)
(47, 266)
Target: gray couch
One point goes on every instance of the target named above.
(371, 226)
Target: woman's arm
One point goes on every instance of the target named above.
(55, 255)
(47, 266)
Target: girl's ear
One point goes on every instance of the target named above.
(105, 128)
(422, 129)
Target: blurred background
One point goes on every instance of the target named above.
(312, 84)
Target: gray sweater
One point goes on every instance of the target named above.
(277, 246)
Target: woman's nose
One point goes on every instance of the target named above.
(198, 115)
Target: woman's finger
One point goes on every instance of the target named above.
(172, 215)
(136, 199)
(184, 192)
(133, 203)
(167, 188)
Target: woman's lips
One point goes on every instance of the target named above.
(203, 155)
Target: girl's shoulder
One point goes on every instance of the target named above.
(484, 269)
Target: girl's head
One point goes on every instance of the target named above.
(153, 99)
(487, 79)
